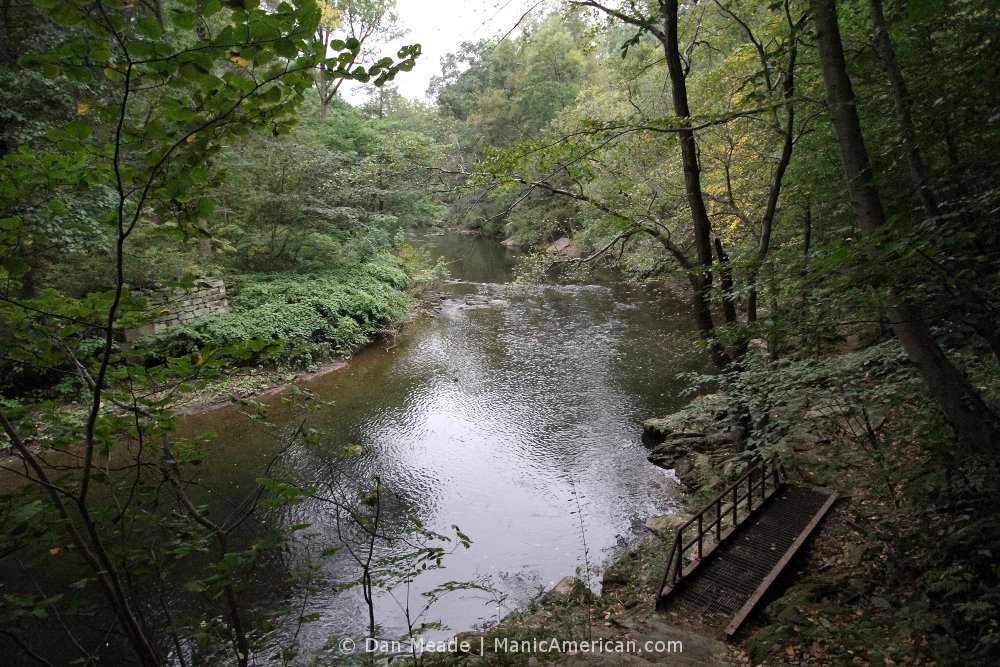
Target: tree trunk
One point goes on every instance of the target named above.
(901, 100)
(974, 423)
(787, 144)
(726, 283)
(702, 227)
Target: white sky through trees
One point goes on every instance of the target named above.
(441, 26)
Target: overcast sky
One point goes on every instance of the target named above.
(440, 27)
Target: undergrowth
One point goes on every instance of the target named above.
(317, 315)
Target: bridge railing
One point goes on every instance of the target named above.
(720, 517)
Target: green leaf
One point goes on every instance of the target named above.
(14, 265)
(286, 48)
(66, 15)
(99, 51)
(79, 74)
(140, 48)
(149, 27)
(184, 20)
(210, 8)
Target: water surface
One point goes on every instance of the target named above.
(514, 413)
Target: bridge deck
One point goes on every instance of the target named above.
(722, 590)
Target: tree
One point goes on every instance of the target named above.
(171, 98)
(710, 256)
(498, 94)
(974, 422)
(329, 23)
(367, 26)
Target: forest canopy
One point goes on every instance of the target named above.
(811, 173)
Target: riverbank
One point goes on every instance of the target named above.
(620, 625)
(321, 322)
(261, 382)
(869, 588)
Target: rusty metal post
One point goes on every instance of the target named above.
(736, 497)
(680, 555)
(700, 534)
(718, 519)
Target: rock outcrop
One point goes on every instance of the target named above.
(691, 441)
(569, 589)
(564, 246)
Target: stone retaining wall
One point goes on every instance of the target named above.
(169, 307)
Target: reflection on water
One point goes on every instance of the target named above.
(513, 413)
(499, 415)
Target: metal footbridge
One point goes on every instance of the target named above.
(727, 556)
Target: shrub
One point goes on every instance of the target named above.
(336, 312)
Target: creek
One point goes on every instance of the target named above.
(514, 413)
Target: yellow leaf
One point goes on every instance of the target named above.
(330, 16)
(238, 59)
(191, 137)
(56, 551)
(82, 108)
(790, 651)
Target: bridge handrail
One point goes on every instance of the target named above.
(744, 488)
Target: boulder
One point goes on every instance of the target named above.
(618, 574)
(559, 245)
(828, 409)
(656, 430)
(677, 445)
(665, 526)
(569, 589)
(683, 468)
(701, 416)
(711, 443)
(511, 242)
(854, 554)
(665, 461)
(563, 246)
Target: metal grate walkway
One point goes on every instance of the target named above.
(722, 590)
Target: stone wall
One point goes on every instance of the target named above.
(169, 307)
